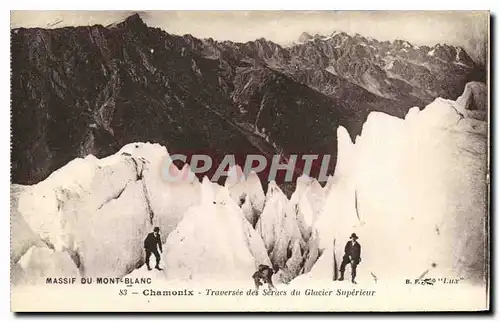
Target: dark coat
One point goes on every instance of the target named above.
(265, 273)
(353, 251)
(151, 242)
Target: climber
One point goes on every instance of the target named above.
(352, 254)
(151, 245)
(263, 275)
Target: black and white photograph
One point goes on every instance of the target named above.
(250, 161)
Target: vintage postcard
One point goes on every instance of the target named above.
(315, 161)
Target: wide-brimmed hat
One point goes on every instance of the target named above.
(353, 235)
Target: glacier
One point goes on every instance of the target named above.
(414, 190)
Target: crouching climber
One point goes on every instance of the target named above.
(151, 245)
(263, 275)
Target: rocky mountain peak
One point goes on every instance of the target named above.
(305, 37)
(132, 21)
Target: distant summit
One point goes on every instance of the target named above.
(130, 21)
(305, 37)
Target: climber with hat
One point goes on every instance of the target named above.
(352, 255)
(151, 245)
(263, 275)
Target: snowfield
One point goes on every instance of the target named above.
(414, 190)
(98, 211)
(216, 226)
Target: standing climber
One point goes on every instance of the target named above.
(352, 254)
(151, 245)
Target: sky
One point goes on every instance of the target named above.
(468, 29)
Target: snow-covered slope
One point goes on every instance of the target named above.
(39, 263)
(414, 192)
(214, 242)
(475, 100)
(306, 204)
(338, 214)
(98, 211)
(280, 232)
(246, 192)
(23, 236)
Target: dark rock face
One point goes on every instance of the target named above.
(398, 70)
(93, 89)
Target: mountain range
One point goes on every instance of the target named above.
(93, 89)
